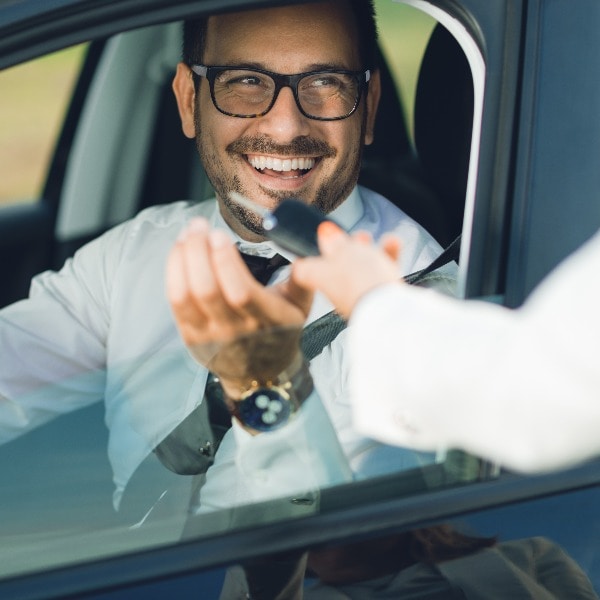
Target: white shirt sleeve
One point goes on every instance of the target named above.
(518, 387)
(53, 343)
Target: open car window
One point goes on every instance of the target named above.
(89, 476)
(34, 101)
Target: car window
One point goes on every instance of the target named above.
(34, 98)
(88, 450)
(404, 32)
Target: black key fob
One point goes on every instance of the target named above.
(293, 226)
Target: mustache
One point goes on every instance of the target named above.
(300, 146)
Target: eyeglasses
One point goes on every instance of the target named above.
(321, 95)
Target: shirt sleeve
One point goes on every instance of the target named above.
(53, 343)
(517, 387)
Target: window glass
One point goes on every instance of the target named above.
(93, 476)
(404, 32)
(34, 98)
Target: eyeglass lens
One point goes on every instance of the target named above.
(322, 95)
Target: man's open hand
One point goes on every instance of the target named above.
(232, 324)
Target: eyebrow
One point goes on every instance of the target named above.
(308, 69)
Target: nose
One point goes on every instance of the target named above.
(284, 121)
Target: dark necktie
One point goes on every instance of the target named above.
(263, 268)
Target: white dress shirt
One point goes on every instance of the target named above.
(521, 387)
(102, 329)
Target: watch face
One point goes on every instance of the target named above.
(264, 409)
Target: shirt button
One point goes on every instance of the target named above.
(206, 450)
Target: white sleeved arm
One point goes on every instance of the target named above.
(518, 387)
(53, 343)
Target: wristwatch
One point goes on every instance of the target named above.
(270, 404)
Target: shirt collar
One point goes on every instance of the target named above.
(350, 211)
(347, 215)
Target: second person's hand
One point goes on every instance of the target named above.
(349, 266)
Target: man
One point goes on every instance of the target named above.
(102, 328)
(214, 298)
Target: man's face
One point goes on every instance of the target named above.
(284, 40)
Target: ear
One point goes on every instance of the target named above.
(372, 101)
(183, 87)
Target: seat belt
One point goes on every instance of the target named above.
(450, 253)
(325, 329)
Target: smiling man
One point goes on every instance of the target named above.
(280, 102)
(268, 137)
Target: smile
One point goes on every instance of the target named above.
(283, 165)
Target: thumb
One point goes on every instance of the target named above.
(391, 245)
(331, 237)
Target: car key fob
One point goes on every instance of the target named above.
(292, 225)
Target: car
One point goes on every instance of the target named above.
(488, 133)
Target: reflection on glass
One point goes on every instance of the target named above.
(434, 563)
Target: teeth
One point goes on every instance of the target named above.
(278, 164)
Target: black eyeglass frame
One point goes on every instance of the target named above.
(211, 72)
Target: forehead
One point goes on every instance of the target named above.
(287, 39)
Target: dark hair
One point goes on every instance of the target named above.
(194, 35)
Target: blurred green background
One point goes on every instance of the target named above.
(35, 96)
(33, 100)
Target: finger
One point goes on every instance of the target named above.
(391, 245)
(187, 316)
(175, 274)
(198, 271)
(312, 273)
(204, 311)
(363, 237)
(202, 281)
(237, 285)
(296, 293)
(255, 305)
(330, 237)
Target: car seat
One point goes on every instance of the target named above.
(443, 124)
(429, 182)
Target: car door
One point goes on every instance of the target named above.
(63, 539)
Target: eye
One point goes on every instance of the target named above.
(325, 80)
(242, 79)
(249, 80)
